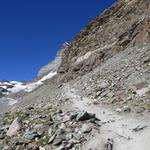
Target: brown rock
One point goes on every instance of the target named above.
(109, 33)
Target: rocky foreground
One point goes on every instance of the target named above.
(46, 127)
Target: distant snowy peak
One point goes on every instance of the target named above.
(15, 86)
(31, 86)
(11, 91)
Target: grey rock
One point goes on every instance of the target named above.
(4, 128)
(5, 148)
(42, 148)
(50, 132)
(85, 116)
(119, 110)
(146, 60)
(62, 126)
(73, 116)
(69, 145)
(61, 131)
(61, 147)
(58, 141)
(52, 138)
(14, 127)
(2, 136)
(103, 84)
(126, 109)
(38, 126)
(69, 136)
(30, 108)
(110, 94)
(48, 147)
(31, 135)
(105, 93)
(139, 128)
(94, 121)
(86, 128)
(98, 93)
(59, 111)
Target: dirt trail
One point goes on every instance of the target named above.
(115, 126)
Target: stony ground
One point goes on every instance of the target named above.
(42, 121)
(118, 92)
(107, 109)
(118, 131)
(47, 127)
(123, 81)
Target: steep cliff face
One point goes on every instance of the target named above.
(125, 24)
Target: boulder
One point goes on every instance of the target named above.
(69, 136)
(84, 116)
(103, 84)
(73, 116)
(139, 128)
(86, 128)
(58, 141)
(31, 135)
(42, 148)
(14, 127)
(52, 139)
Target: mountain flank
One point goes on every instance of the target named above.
(124, 25)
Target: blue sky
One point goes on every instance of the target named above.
(32, 31)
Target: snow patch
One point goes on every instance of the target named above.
(7, 101)
(3, 86)
(15, 82)
(12, 101)
(19, 86)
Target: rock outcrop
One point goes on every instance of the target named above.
(125, 24)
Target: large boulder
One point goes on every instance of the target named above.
(85, 116)
(14, 127)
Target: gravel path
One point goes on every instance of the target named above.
(117, 127)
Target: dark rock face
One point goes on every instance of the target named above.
(125, 24)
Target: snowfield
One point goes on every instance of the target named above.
(19, 86)
(15, 87)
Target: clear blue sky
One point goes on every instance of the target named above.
(32, 31)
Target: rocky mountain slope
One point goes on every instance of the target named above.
(125, 24)
(94, 96)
